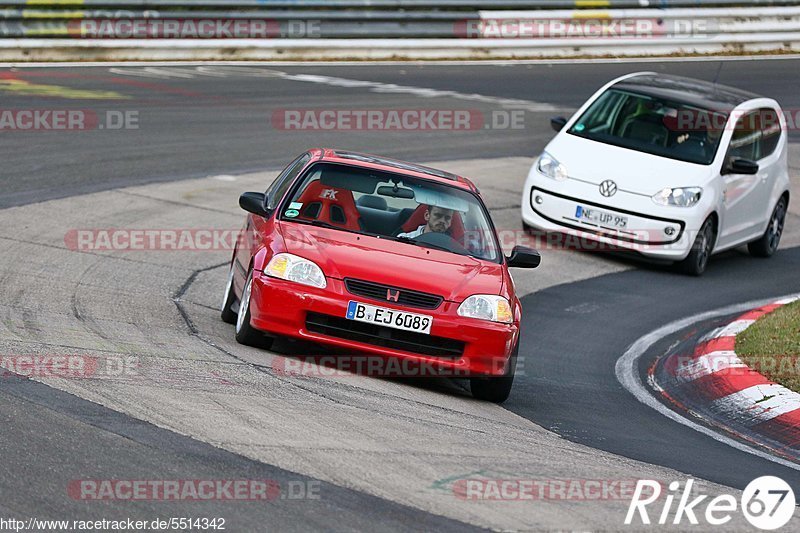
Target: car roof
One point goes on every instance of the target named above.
(393, 165)
(699, 93)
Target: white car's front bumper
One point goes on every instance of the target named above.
(651, 230)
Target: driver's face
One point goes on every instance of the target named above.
(439, 219)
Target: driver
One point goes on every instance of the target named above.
(438, 219)
(711, 141)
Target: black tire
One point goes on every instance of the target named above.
(245, 333)
(768, 243)
(495, 389)
(228, 299)
(697, 260)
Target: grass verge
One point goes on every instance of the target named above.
(771, 346)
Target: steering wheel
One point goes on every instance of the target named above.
(442, 240)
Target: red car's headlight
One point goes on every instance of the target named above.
(487, 307)
(295, 268)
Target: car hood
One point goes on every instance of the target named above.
(632, 171)
(343, 254)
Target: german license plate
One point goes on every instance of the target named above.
(391, 318)
(598, 216)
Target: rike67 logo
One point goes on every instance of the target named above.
(767, 503)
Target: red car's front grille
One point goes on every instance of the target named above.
(398, 295)
(406, 341)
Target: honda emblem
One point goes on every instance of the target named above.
(392, 295)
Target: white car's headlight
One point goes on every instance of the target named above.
(487, 307)
(679, 196)
(550, 167)
(294, 268)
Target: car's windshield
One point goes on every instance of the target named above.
(653, 125)
(413, 211)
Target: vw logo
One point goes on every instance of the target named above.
(608, 188)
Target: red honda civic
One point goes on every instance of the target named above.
(379, 257)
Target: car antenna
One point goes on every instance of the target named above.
(716, 76)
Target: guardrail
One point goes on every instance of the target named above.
(330, 24)
(392, 29)
(401, 4)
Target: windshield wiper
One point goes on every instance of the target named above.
(409, 240)
(318, 223)
(323, 224)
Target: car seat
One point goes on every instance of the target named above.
(647, 128)
(372, 202)
(333, 205)
(376, 217)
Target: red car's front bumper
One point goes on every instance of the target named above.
(283, 307)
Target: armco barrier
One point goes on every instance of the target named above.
(328, 24)
(390, 29)
(404, 4)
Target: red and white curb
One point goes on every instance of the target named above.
(714, 384)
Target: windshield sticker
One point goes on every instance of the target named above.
(291, 213)
(579, 127)
(296, 205)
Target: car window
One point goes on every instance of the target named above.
(653, 125)
(770, 126)
(607, 111)
(394, 206)
(745, 141)
(278, 187)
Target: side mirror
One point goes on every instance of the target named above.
(522, 257)
(742, 166)
(254, 202)
(558, 123)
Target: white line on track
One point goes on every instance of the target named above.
(627, 372)
(422, 92)
(167, 72)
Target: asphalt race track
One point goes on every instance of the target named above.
(384, 454)
(194, 125)
(579, 365)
